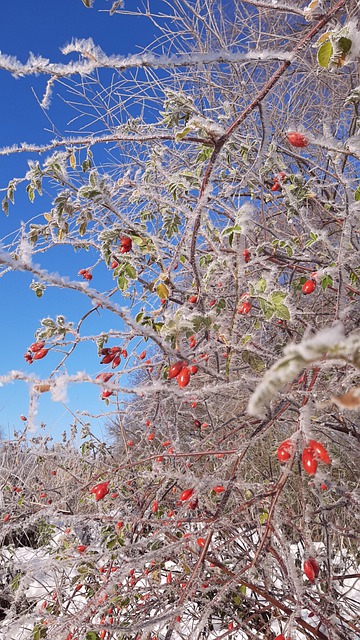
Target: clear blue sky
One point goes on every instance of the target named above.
(42, 27)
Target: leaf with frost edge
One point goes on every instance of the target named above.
(328, 342)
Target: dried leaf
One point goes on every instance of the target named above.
(350, 400)
(42, 388)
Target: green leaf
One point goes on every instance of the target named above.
(130, 271)
(267, 308)
(276, 297)
(253, 360)
(30, 192)
(204, 154)
(162, 291)
(182, 134)
(282, 312)
(357, 194)
(261, 285)
(345, 44)
(324, 54)
(263, 516)
(82, 228)
(122, 282)
(87, 4)
(91, 635)
(326, 282)
(86, 165)
(39, 632)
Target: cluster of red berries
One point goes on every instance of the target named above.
(113, 355)
(278, 179)
(36, 351)
(313, 452)
(100, 490)
(85, 273)
(125, 244)
(182, 372)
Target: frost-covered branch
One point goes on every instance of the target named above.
(95, 59)
(327, 344)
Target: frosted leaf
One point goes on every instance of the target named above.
(327, 343)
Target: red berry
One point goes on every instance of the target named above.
(155, 506)
(276, 187)
(119, 525)
(308, 286)
(308, 461)
(81, 548)
(169, 578)
(37, 346)
(193, 369)
(212, 303)
(315, 566)
(175, 369)
(319, 451)
(142, 355)
(247, 255)
(219, 488)
(297, 139)
(106, 394)
(244, 308)
(40, 354)
(284, 450)
(115, 363)
(183, 378)
(186, 494)
(309, 570)
(192, 299)
(114, 264)
(7, 517)
(104, 377)
(115, 349)
(23, 418)
(201, 542)
(107, 359)
(87, 276)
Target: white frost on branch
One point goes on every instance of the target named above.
(94, 58)
(329, 343)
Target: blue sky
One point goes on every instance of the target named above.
(42, 27)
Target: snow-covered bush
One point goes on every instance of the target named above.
(218, 225)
